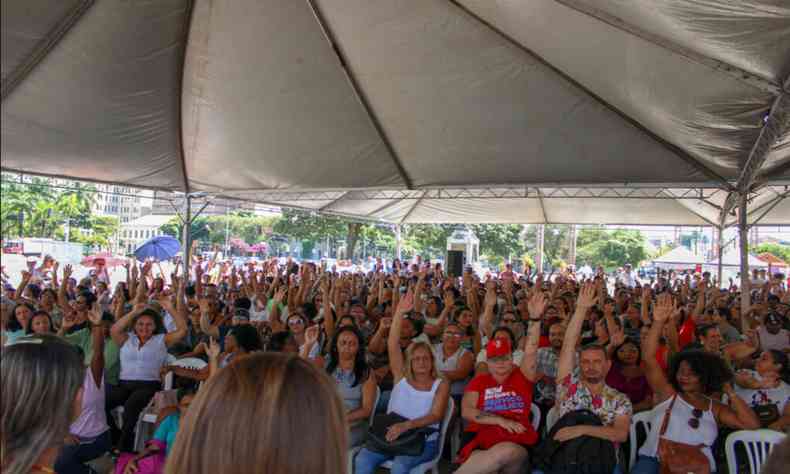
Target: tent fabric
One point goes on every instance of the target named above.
(250, 99)
(733, 259)
(679, 256)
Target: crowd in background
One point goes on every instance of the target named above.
(302, 364)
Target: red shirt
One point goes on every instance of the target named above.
(686, 334)
(512, 399)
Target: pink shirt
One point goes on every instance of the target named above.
(92, 420)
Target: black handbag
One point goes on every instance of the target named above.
(410, 443)
(767, 414)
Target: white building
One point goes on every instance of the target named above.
(136, 232)
(124, 202)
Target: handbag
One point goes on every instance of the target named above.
(409, 443)
(680, 458)
(767, 414)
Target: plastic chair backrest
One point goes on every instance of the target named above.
(187, 363)
(535, 415)
(757, 444)
(645, 421)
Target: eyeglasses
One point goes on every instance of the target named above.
(453, 334)
(508, 321)
(694, 422)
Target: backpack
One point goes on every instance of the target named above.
(582, 455)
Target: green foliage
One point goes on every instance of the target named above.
(555, 241)
(502, 241)
(779, 250)
(610, 248)
(34, 209)
(427, 240)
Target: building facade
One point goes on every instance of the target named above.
(135, 233)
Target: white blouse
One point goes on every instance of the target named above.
(143, 363)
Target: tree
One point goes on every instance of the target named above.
(778, 250)
(502, 241)
(426, 240)
(613, 248)
(555, 241)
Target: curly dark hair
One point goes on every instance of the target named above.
(278, 341)
(361, 369)
(712, 371)
(247, 337)
(780, 359)
(153, 314)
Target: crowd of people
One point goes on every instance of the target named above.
(308, 370)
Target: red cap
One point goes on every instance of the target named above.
(498, 348)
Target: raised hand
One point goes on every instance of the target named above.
(95, 314)
(587, 296)
(213, 348)
(664, 308)
(311, 335)
(67, 271)
(537, 305)
(205, 306)
(490, 298)
(406, 303)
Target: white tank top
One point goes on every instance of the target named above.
(449, 364)
(411, 403)
(679, 430)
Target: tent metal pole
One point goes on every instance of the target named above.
(539, 242)
(572, 247)
(398, 242)
(743, 229)
(187, 237)
(720, 252)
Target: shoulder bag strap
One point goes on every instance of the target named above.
(665, 423)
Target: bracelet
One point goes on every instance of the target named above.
(535, 319)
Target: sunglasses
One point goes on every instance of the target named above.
(694, 422)
(296, 321)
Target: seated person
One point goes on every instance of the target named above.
(497, 404)
(626, 374)
(766, 389)
(587, 390)
(685, 412)
(771, 335)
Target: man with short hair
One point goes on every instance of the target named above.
(588, 390)
(548, 362)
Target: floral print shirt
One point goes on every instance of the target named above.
(572, 395)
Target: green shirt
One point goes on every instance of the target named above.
(112, 353)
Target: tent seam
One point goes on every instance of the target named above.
(43, 47)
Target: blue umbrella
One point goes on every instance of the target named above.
(159, 248)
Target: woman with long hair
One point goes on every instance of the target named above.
(16, 324)
(454, 363)
(346, 365)
(684, 410)
(270, 390)
(419, 395)
(41, 396)
(626, 375)
(143, 352)
(39, 323)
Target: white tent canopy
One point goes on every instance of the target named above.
(561, 111)
(732, 259)
(679, 257)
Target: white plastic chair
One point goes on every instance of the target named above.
(433, 464)
(188, 363)
(353, 451)
(534, 412)
(757, 443)
(645, 421)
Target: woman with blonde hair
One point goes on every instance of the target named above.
(244, 421)
(419, 395)
(41, 396)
